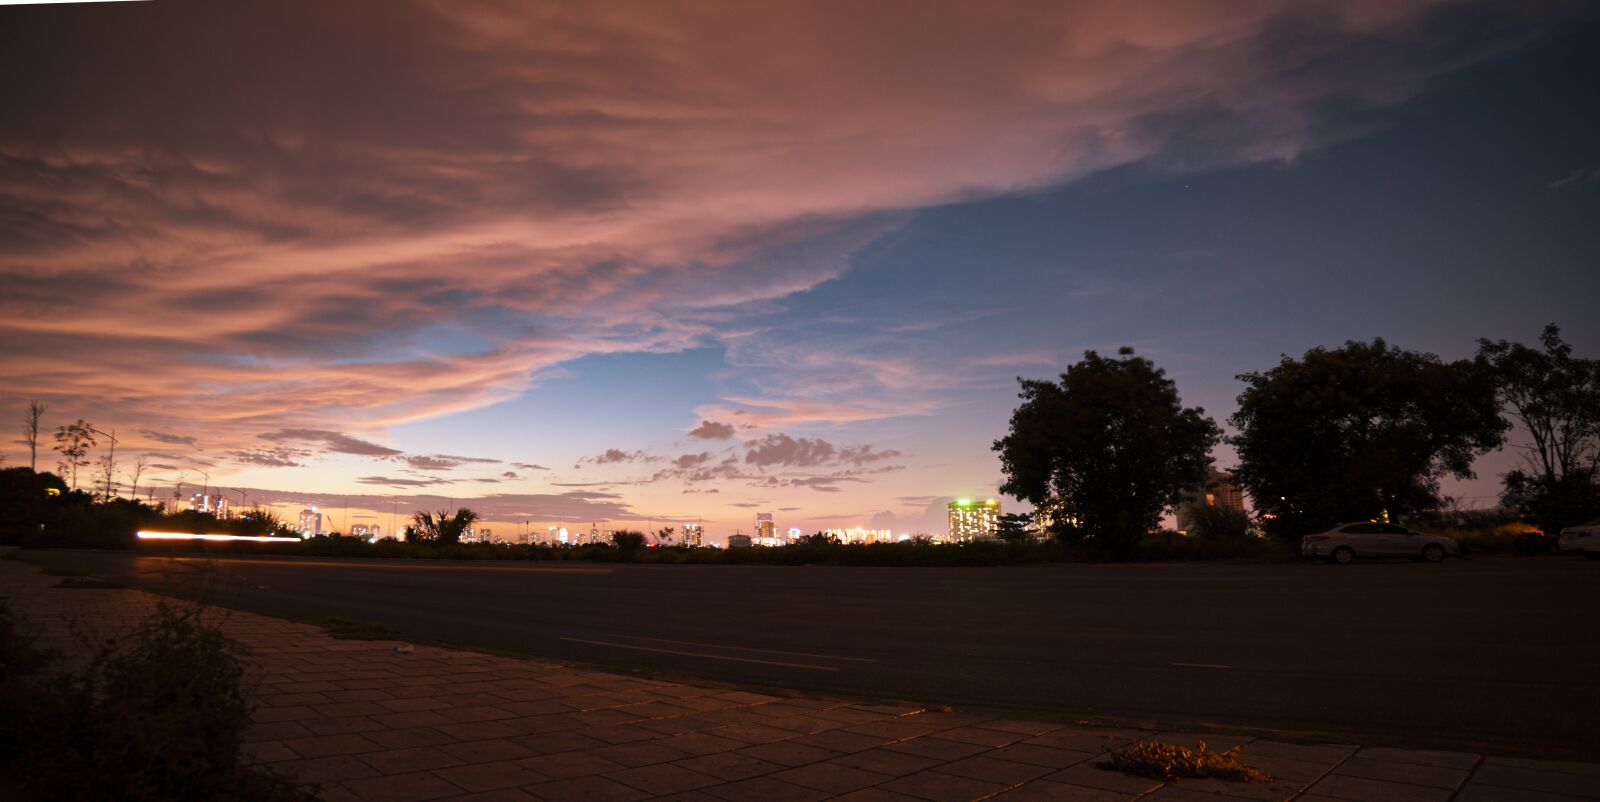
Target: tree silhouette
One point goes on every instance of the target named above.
(1360, 431)
(444, 527)
(1111, 444)
(1555, 398)
(74, 441)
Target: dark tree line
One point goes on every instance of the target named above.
(1341, 434)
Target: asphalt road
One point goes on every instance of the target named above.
(1501, 655)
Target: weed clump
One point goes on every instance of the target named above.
(157, 715)
(1171, 762)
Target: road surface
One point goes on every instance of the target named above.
(1501, 655)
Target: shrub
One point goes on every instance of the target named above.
(157, 715)
(1221, 524)
(1169, 762)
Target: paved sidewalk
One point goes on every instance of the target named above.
(368, 724)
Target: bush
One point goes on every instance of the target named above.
(157, 715)
(1221, 524)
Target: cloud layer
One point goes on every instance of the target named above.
(285, 222)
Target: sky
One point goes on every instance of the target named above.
(635, 264)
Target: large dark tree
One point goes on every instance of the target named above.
(1554, 398)
(1111, 444)
(1352, 433)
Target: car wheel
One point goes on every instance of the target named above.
(1433, 553)
(1343, 555)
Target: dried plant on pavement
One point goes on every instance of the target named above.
(1171, 762)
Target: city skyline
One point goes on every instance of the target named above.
(341, 257)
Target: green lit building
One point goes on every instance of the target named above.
(973, 520)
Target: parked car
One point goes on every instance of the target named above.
(1529, 544)
(1583, 539)
(1346, 542)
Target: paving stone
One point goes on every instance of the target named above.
(568, 765)
(981, 736)
(1090, 775)
(550, 743)
(840, 741)
(1413, 773)
(491, 776)
(332, 745)
(1365, 790)
(937, 748)
(766, 789)
(499, 795)
(875, 795)
(267, 752)
(326, 769)
(1550, 782)
(882, 761)
(1494, 793)
(729, 766)
(586, 789)
(638, 753)
(989, 769)
(478, 730)
(702, 743)
(465, 715)
(342, 726)
(402, 788)
(410, 737)
(832, 777)
(1421, 757)
(788, 753)
(941, 787)
(488, 751)
(1047, 791)
(1036, 755)
(399, 761)
(664, 778)
(1566, 767)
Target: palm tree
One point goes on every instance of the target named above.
(443, 526)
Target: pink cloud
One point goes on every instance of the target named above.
(247, 219)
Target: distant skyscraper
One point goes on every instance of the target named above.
(974, 520)
(739, 541)
(1221, 489)
(694, 534)
(766, 531)
(310, 522)
(358, 530)
(859, 535)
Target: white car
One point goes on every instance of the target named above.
(1583, 539)
(1345, 542)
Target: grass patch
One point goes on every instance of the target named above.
(1171, 762)
(358, 630)
(61, 572)
(88, 583)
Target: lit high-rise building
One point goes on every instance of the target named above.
(1221, 489)
(694, 534)
(358, 530)
(766, 530)
(310, 522)
(974, 520)
(859, 535)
